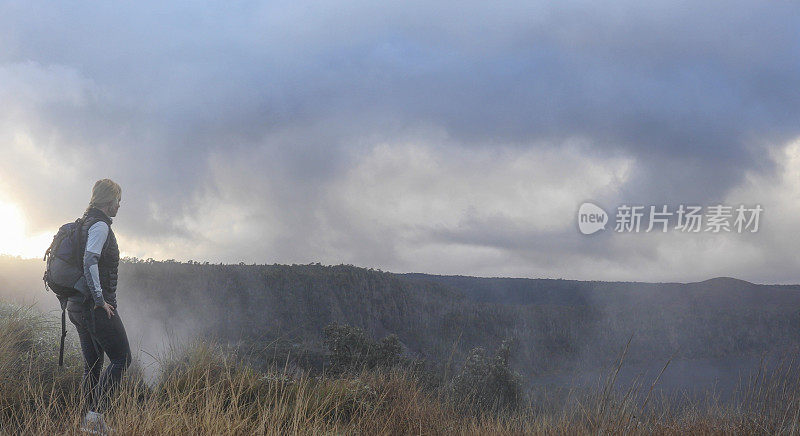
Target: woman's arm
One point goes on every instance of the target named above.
(98, 233)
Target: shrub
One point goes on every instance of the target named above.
(351, 351)
(487, 383)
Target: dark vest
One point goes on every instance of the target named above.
(108, 264)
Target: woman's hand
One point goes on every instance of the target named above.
(108, 308)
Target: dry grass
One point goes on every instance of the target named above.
(203, 390)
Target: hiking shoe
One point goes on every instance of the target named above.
(94, 423)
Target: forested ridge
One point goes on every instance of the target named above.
(269, 303)
(551, 324)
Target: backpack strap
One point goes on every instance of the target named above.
(80, 247)
(63, 332)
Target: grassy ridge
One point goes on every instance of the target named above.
(204, 389)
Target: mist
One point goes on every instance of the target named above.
(712, 335)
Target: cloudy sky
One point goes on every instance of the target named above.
(445, 137)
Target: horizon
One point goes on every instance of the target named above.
(202, 262)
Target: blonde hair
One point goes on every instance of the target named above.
(105, 193)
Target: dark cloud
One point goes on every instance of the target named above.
(261, 108)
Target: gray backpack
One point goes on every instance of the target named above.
(64, 268)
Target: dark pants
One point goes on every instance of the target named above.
(99, 335)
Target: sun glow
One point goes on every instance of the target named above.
(14, 239)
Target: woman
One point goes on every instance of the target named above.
(94, 311)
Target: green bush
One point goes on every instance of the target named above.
(487, 383)
(351, 351)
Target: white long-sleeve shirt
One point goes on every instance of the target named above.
(98, 233)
